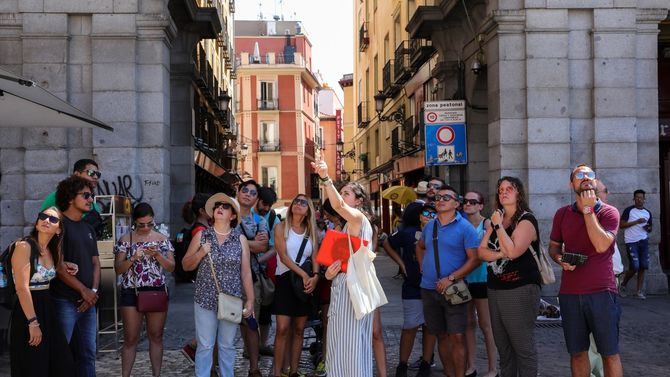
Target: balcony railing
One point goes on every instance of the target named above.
(267, 104)
(389, 86)
(402, 70)
(363, 119)
(272, 58)
(363, 38)
(269, 146)
(420, 50)
(203, 76)
(395, 138)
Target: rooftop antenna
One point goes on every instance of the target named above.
(260, 10)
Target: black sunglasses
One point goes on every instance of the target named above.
(246, 190)
(150, 224)
(301, 202)
(92, 172)
(52, 219)
(445, 197)
(225, 205)
(86, 195)
(473, 202)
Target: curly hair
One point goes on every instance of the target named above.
(521, 201)
(68, 189)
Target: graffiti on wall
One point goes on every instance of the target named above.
(123, 185)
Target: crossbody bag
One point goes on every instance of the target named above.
(296, 279)
(457, 292)
(229, 308)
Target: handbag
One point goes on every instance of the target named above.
(152, 301)
(542, 259)
(458, 292)
(365, 291)
(229, 308)
(296, 279)
(266, 286)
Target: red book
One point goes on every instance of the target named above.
(336, 247)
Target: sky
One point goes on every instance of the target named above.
(328, 24)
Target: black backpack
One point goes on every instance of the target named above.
(8, 293)
(181, 242)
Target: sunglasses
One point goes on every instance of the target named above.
(246, 190)
(150, 224)
(429, 214)
(301, 202)
(93, 173)
(52, 219)
(445, 197)
(86, 195)
(225, 205)
(472, 202)
(585, 174)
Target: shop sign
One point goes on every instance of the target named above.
(446, 140)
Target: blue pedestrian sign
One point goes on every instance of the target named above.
(446, 141)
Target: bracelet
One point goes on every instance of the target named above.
(31, 320)
(324, 179)
(34, 324)
(327, 182)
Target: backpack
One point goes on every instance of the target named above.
(7, 289)
(181, 243)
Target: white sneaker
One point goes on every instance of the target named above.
(641, 296)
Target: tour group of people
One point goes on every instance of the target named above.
(238, 248)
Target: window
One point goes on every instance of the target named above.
(376, 73)
(397, 32)
(267, 95)
(377, 142)
(269, 138)
(269, 177)
(386, 48)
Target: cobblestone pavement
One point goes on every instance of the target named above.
(644, 338)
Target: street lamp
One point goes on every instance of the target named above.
(397, 116)
(224, 101)
(339, 146)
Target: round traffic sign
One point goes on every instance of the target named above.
(445, 135)
(431, 117)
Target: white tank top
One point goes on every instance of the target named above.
(293, 243)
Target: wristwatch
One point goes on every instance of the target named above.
(496, 226)
(95, 290)
(451, 278)
(587, 210)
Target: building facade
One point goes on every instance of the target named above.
(547, 85)
(348, 127)
(332, 131)
(154, 70)
(277, 107)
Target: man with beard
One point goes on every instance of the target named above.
(588, 293)
(434, 184)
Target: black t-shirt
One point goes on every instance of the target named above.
(513, 273)
(79, 246)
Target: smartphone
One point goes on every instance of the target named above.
(574, 259)
(252, 323)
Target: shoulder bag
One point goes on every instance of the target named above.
(542, 259)
(149, 301)
(229, 307)
(296, 279)
(457, 292)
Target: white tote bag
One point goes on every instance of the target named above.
(365, 291)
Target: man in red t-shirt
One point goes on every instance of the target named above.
(588, 295)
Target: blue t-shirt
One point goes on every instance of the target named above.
(478, 275)
(404, 241)
(453, 240)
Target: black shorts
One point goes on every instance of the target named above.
(265, 316)
(128, 297)
(478, 290)
(286, 302)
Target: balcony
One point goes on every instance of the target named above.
(390, 89)
(363, 38)
(425, 19)
(267, 104)
(269, 146)
(395, 139)
(420, 50)
(402, 70)
(203, 76)
(363, 119)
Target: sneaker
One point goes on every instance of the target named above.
(415, 365)
(189, 352)
(320, 370)
(401, 370)
(424, 369)
(641, 296)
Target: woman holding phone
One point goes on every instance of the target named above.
(349, 352)
(141, 257)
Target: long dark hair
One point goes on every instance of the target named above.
(55, 245)
(521, 201)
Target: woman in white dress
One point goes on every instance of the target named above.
(349, 349)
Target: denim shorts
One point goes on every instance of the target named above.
(596, 313)
(638, 255)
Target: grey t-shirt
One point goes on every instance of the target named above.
(250, 226)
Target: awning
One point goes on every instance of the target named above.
(24, 104)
